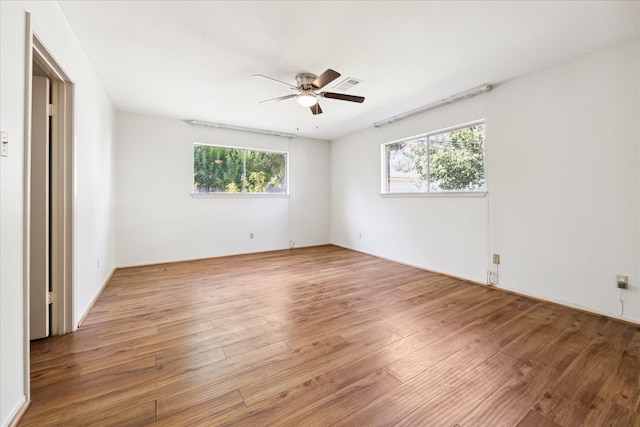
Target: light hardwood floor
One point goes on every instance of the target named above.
(327, 336)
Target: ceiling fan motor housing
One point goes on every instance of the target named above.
(305, 81)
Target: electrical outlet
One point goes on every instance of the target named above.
(496, 258)
(360, 235)
(250, 235)
(623, 281)
(98, 263)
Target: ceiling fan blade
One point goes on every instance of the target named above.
(277, 81)
(342, 97)
(280, 98)
(315, 109)
(325, 78)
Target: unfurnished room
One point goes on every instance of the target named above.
(320, 213)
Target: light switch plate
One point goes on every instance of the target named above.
(4, 144)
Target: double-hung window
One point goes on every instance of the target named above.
(437, 162)
(218, 169)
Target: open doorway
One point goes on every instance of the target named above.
(49, 170)
(54, 119)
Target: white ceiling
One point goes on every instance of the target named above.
(195, 59)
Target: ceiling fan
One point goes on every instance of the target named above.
(307, 89)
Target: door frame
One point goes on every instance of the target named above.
(62, 192)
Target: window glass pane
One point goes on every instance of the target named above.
(266, 172)
(407, 166)
(237, 170)
(217, 169)
(437, 162)
(456, 160)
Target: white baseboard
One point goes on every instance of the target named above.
(17, 413)
(89, 306)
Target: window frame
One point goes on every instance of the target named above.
(243, 193)
(384, 187)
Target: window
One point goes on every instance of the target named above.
(445, 161)
(238, 170)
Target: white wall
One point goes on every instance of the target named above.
(563, 159)
(562, 154)
(12, 83)
(95, 185)
(94, 132)
(440, 234)
(158, 220)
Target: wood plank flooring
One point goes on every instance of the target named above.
(326, 336)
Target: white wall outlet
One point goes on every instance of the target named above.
(496, 259)
(250, 235)
(4, 144)
(98, 263)
(623, 281)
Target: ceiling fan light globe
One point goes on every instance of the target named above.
(307, 99)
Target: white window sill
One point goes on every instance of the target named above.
(239, 195)
(464, 194)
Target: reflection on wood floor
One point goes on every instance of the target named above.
(328, 336)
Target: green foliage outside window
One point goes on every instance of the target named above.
(456, 159)
(235, 170)
(447, 161)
